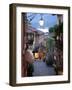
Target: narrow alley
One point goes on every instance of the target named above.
(41, 69)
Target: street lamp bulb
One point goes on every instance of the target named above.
(41, 22)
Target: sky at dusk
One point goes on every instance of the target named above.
(49, 20)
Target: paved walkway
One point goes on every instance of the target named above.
(41, 69)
